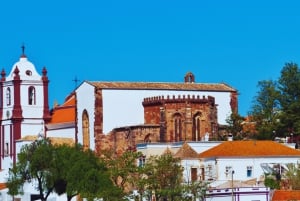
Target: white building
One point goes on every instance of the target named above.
(24, 108)
(233, 169)
(24, 112)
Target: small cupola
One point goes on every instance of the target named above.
(189, 78)
(26, 69)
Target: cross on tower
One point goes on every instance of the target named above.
(76, 81)
(23, 49)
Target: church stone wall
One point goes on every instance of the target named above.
(171, 119)
(182, 118)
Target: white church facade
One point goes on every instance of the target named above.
(24, 108)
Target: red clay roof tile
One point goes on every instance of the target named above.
(164, 85)
(186, 151)
(249, 149)
(284, 195)
(65, 112)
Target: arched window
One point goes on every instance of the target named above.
(196, 127)
(177, 127)
(8, 96)
(31, 95)
(85, 130)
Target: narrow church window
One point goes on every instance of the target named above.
(8, 96)
(6, 150)
(196, 128)
(85, 130)
(31, 95)
(177, 128)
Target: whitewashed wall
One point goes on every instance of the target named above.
(124, 107)
(86, 101)
(239, 165)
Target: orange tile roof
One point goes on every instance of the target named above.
(2, 186)
(164, 85)
(186, 151)
(249, 149)
(64, 113)
(284, 195)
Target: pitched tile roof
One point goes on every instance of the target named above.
(168, 151)
(186, 152)
(163, 85)
(283, 195)
(65, 112)
(249, 149)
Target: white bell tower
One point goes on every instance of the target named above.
(24, 108)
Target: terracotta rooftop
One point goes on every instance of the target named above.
(2, 186)
(65, 112)
(284, 195)
(186, 151)
(164, 86)
(249, 149)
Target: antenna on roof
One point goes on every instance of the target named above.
(76, 81)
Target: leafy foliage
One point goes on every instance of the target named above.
(123, 170)
(292, 177)
(235, 127)
(272, 181)
(33, 166)
(276, 108)
(61, 169)
(164, 176)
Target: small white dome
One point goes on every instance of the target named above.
(27, 70)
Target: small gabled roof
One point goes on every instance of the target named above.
(249, 149)
(168, 151)
(186, 152)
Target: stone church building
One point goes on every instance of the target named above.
(119, 115)
(107, 115)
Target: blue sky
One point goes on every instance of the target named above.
(236, 42)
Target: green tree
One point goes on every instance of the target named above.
(164, 177)
(235, 126)
(272, 181)
(80, 172)
(292, 176)
(197, 189)
(123, 170)
(61, 169)
(276, 108)
(289, 86)
(265, 109)
(33, 166)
